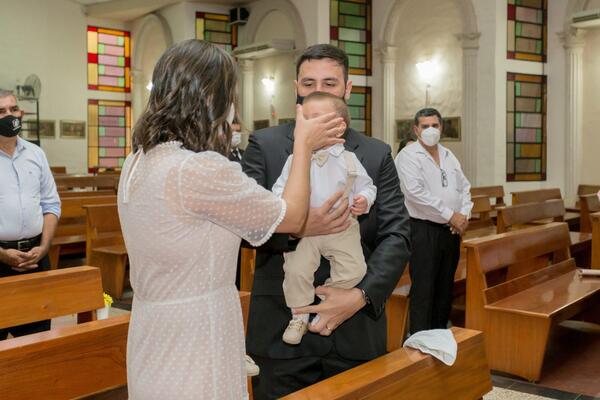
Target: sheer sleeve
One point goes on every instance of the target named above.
(212, 187)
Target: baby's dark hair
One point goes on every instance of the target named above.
(338, 103)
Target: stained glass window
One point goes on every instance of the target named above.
(350, 30)
(525, 127)
(527, 30)
(215, 28)
(359, 107)
(109, 133)
(109, 61)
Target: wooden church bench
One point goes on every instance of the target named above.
(522, 215)
(494, 192)
(517, 314)
(589, 204)
(595, 240)
(541, 195)
(66, 362)
(63, 194)
(70, 236)
(410, 374)
(105, 247)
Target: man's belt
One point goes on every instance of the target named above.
(23, 244)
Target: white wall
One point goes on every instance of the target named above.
(282, 68)
(591, 108)
(49, 38)
(419, 39)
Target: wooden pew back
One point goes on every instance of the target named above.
(587, 189)
(73, 214)
(515, 254)
(496, 192)
(410, 374)
(58, 170)
(103, 226)
(589, 204)
(66, 182)
(49, 294)
(525, 213)
(535, 196)
(595, 240)
(481, 208)
(63, 194)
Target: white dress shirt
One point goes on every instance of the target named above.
(27, 192)
(427, 194)
(330, 178)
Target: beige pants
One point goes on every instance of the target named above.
(345, 255)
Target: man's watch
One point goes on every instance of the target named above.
(366, 297)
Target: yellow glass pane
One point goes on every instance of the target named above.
(200, 28)
(111, 32)
(127, 78)
(92, 157)
(111, 89)
(92, 115)
(93, 42)
(92, 136)
(92, 74)
(128, 117)
(217, 16)
(127, 46)
(111, 103)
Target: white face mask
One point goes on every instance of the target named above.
(431, 136)
(236, 139)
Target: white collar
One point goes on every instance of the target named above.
(420, 149)
(334, 150)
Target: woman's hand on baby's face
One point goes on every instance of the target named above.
(319, 132)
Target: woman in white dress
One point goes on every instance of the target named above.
(183, 208)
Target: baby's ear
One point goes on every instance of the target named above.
(344, 126)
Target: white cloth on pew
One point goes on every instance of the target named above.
(440, 343)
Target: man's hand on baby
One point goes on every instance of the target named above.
(360, 206)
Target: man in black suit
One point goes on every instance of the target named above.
(352, 326)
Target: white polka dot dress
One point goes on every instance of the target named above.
(182, 215)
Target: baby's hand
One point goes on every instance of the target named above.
(360, 206)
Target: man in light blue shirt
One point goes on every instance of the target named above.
(29, 204)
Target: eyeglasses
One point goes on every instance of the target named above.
(444, 178)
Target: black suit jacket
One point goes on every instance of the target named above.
(386, 245)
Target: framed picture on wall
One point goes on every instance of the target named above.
(283, 121)
(451, 132)
(404, 128)
(261, 124)
(72, 129)
(47, 129)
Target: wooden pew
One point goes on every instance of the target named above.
(67, 182)
(58, 170)
(541, 195)
(522, 215)
(495, 192)
(409, 374)
(595, 240)
(517, 314)
(63, 194)
(482, 225)
(66, 362)
(589, 203)
(105, 247)
(71, 231)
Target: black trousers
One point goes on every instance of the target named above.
(433, 262)
(278, 378)
(34, 327)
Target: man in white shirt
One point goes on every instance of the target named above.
(29, 205)
(438, 200)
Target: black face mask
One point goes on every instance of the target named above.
(300, 99)
(10, 126)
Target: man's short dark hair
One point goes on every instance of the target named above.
(428, 112)
(321, 51)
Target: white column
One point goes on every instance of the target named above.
(137, 94)
(247, 67)
(470, 46)
(573, 43)
(388, 58)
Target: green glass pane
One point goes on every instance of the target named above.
(121, 61)
(352, 8)
(357, 99)
(518, 28)
(518, 120)
(540, 17)
(538, 165)
(100, 48)
(356, 61)
(354, 112)
(101, 110)
(333, 13)
(220, 26)
(121, 82)
(121, 162)
(102, 131)
(517, 88)
(352, 35)
(538, 135)
(121, 142)
(101, 69)
(102, 152)
(518, 151)
(538, 105)
(353, 22)
(538, 47)
(121, 41)
(355, 48)
(121, 121)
